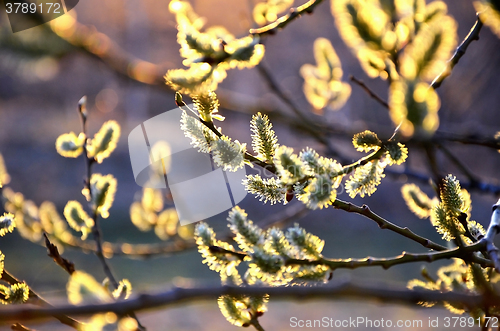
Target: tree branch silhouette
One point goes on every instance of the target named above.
(460, 51)
(283, 21)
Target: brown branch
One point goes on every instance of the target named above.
(464, 253)
(150, 250)
(385, 224)
(369, 91)
(96, 232)
(98, 45)
(473, 180)
(131, 250)
(67, 266)
(470, 139)
(20, 327)
(175, 296)
(430, 153)
(36, 299)
(460, 51)
(283, 21)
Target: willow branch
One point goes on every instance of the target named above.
(20, 327)
(385, 224)
(365, 210)
(460, 51)
(271, 167)
(36, 299)
(470, 139)
(283, 21)
(132, 250)
(248, 156)
(464, 253)
(150, 250)
(340, 290)
(96, 231)
(369, 91)
(473, 180)
(53, 252)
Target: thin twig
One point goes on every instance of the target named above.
(430, 153)
(67, 266)
(96, 231)
(211, 126)
(470, 139)
(460, 51)
(369, 91)
(385, 224)
(175, 296)
(283, 21)
(89, 161)
(472, 178)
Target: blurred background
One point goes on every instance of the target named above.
(130, 46)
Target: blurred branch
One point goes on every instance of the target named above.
(100, 46)
(67, 266)
(460, 51)
(369, 91)
(133, 250)
(178, 295)
(290, 213)
(283, 21)
(470, 139)
(20, 327)
(36, 299)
